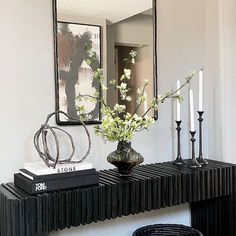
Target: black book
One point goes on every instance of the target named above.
(33, 187)
(47, 177)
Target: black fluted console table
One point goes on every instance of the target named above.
(210, 190)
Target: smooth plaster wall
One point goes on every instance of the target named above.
(213, 88)
(27, 94)
(133, 31)
(228, 77)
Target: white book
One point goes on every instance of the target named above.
(39, 168)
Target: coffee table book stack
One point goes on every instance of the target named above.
(38, 178)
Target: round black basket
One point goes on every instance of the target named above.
(166, 230)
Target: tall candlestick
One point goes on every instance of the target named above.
(178, 103)
(201, 159)
(191, 108)
(200, 89)
(193, 164)
(179, 161)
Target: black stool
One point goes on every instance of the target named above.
(166, 230)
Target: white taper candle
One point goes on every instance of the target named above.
(178, 103)
(191, 108)
(200, 90)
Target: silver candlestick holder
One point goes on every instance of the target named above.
(179, 161)
(193, 163)
(200, 158)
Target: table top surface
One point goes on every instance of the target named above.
(147, 172)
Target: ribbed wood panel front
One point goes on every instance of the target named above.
(211, 190)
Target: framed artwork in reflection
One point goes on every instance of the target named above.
(78, 55)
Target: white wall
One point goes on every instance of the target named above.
(228, 77)
(133, 31)
(213, 83)
(27, 94)
(26, 91)
(181, 48)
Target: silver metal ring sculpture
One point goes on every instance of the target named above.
(42, 133)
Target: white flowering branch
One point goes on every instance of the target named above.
(171, 95)
(117, 123)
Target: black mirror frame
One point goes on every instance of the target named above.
(155, 85)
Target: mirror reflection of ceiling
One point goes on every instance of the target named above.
(114, 11)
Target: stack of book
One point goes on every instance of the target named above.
(36, 177)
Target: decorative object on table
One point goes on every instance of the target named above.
(193, 163)
(125, 158)
(178, 161)
(33, 184)
(39, 168)
(200, 158)
(54, 173)
(42, 135)
(120, 125)
(78, 55)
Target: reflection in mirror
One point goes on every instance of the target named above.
(91, 36)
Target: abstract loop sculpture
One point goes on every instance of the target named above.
(42, 134)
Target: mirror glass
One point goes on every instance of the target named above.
(93, 34)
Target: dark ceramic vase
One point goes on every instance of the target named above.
(125, 158)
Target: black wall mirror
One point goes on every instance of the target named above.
(92, 34)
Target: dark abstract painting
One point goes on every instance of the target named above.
(78, 56)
